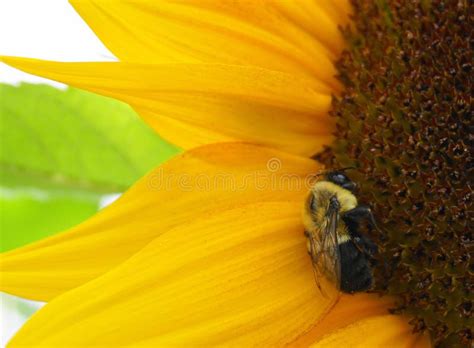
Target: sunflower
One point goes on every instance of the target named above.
(208, 248)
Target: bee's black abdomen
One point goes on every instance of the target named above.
(356, 272)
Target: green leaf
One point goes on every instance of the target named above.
(27, 216)
(75, 138)
(60, 152)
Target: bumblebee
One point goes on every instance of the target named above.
(332, 218)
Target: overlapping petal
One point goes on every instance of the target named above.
(298, 37)
(197, 183)
(239, 277)
(213, 71)
(195, 104)
(362, 320)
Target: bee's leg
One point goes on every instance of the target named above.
(365, 245)
(360, 212)
(352, 218)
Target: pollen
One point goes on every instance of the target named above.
(404, 121)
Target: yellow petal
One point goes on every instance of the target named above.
(238, 277)
(362, 320)
(377, 332)
(199, 182)
(195, 104)
(298, 37)
(340, 11)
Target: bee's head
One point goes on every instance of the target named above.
(338, 177)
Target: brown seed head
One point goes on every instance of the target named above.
(405, 122)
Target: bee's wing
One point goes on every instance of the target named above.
(325, 254)
(330, 246)
(315, 247)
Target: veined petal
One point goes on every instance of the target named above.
(362, 320)
(238, 277)
(206, 180)
(195, 104)
(298, 37)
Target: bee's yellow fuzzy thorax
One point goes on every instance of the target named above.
(327, 189)
(321, 192)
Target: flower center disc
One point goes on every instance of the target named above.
(404, 121)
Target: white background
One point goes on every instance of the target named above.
(46, 29)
